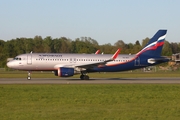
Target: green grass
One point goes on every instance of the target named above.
(90, 102)
(23, 74)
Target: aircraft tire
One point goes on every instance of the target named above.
(82, 77)
(28, 78)
(86, 77)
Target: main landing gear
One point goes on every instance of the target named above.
(84, 76)
(29, 75)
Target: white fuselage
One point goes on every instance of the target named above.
(52, 61)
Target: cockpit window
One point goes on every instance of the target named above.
(16, 58)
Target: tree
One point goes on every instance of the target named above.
(19, 46)
(65, 45)
(167, 51)
(2, 56)
(175, 48)
(120, 44)
(83, 46)
(145, 41)
(129, 48)
(29, 44)
(137, 47)
(57, 45)
(2, 43)
(38, 44)
(47, 44)
(107, 48)
(137, 43)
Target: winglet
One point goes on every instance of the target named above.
(97, 52)
(115, 54)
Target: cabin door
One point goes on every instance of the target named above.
(137, 62)
(29, 59)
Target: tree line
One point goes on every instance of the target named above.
(12, 48)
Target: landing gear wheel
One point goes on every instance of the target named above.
(29, 77)
(84, 77)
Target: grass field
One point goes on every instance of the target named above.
(90, 102)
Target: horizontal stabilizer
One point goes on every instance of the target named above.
(155, 60)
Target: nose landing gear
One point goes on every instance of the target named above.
(29, 75)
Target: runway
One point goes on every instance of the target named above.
(91, 81)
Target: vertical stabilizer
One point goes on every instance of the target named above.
(155, 45)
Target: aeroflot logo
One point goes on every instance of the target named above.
(49, 55)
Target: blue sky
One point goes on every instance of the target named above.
(106, 21)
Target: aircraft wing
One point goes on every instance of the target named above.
(91, 65)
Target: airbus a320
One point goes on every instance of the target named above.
(66, 65)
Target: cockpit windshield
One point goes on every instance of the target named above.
(16, 58)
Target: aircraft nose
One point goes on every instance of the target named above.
(10, 64)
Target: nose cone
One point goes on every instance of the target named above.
(10, 64)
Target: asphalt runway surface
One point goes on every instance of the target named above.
(91, 81)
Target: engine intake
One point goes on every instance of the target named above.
(64, 72)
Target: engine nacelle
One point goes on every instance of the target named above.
(64, 72)
(151, 61)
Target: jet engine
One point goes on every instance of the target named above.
(151, 61)
(64, 72)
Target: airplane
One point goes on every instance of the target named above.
(67, 65)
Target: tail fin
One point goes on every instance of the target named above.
(155, 44)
